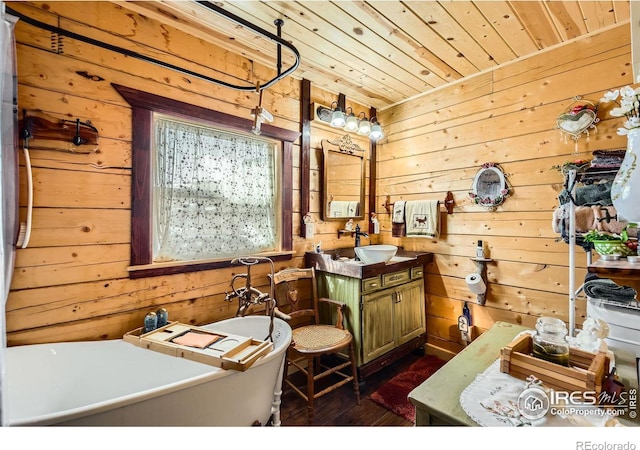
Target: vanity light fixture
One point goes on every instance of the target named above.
(348, 120)
(351, 121)
(337, 117)
(364, 127)
(376, 130)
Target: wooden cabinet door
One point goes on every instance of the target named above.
(378, 335)
(409, 311)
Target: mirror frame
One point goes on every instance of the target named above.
(488, 201)
(346, 147)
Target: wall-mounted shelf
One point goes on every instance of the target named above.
(481, 269)
(481, 260)
(348, 232)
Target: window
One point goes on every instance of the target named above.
(215, 193)
(204, 190)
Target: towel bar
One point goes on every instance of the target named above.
(448, 203)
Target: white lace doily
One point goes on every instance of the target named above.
(491, 401)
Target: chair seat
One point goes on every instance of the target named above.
(317, 338)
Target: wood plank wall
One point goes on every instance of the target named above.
(437, 142)
(71, 283)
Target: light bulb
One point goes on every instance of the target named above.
(337, 118)
(351, 123)
(364, 127)
(376, 132)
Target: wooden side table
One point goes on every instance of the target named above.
(437, 399)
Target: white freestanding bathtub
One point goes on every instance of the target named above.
(115, 383)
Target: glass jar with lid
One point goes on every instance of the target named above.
(550, 341)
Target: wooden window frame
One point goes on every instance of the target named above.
(143, 106)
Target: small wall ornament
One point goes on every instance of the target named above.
(489, 188)
(580, 117)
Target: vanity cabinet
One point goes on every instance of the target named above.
(385, 306)
(391, 317)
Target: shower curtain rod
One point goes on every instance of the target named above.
(230, 16)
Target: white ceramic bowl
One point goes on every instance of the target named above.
(372, 254)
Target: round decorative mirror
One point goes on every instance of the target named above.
(489, 187)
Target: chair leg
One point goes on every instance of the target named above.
(310, 388)
(354, 371)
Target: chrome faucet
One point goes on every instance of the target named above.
(358, 234)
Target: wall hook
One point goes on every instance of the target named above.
(46, 132)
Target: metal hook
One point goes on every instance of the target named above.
(77, 140)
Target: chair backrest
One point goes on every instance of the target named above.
(296, 294)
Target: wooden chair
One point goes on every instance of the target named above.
(296, 295)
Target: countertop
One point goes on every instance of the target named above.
(328, 262)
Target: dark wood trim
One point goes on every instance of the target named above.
(144, 104)
(195, 267)
(173, 107)
(141, 220)
(287, 195)
(372, 175)
(305, 153)
(342, 102)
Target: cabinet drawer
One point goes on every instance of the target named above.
(395, 278)
(371, 284)
(417, 272)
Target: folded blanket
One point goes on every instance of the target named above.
(423, 218)
(592, 194)
(609, 153)
(606, 289)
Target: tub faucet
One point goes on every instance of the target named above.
(358, 234)
(247, 295)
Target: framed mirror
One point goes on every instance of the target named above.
(489, 188)
(343, 183)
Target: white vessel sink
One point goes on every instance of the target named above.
(372, 254)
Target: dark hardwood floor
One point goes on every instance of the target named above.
(339, 408)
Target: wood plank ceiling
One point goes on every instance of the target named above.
(379, 53)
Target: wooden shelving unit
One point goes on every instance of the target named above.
(620, 268)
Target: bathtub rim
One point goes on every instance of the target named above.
(111, 404)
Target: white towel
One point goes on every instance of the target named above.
(398, 211)
(353, 209)
(423, 218)
(339, 209)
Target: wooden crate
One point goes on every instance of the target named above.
(586, 371)
(229, 351)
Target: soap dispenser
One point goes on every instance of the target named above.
(163, 317)
(150, 322)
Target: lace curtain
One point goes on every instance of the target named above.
(214, 193)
